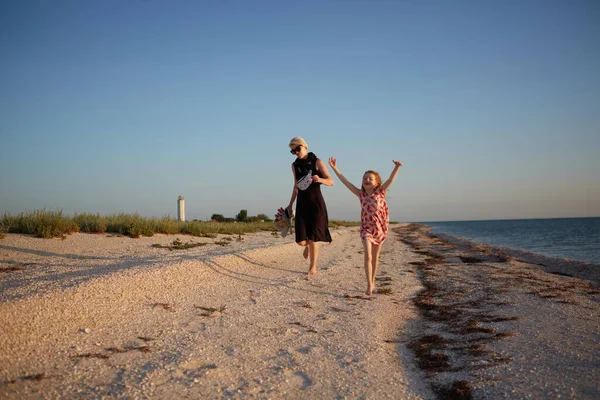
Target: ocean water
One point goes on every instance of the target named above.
(572, 238)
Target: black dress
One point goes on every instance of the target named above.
(312, 222)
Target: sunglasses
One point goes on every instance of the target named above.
(296, 150)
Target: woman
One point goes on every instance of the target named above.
(312, 222)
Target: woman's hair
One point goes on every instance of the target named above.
(377, 179)
(298, 141)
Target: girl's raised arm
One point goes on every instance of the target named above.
(386, 184)
(353, 189)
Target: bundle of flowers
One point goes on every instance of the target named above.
(283, 221)
(280, 214)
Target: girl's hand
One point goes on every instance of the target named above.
(315, 179)
(397, 163)
(332, 162)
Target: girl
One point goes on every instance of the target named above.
(374, 215)
(312, 220)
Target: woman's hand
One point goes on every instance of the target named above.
(397, 163)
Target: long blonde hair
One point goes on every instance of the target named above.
(377, 179)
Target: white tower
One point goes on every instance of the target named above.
(180, 208)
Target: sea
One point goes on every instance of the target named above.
(572, 238)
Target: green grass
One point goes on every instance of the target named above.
(47, 224)
(41, 223)
(90, 223)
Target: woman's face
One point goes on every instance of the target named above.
(298, 151)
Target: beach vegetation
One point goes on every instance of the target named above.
(54, 223)
(211, 311)
(242, 216)
(177, 244)
(166, 225)
(217, 218)
(223, 242)
(342, 224)
(259, 218)
(132, 225)
(384, 290)
(460, 390)
(90, 223)
(41, 223)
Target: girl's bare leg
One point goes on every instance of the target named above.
(314, 253)
(367, 247)
(375, 262)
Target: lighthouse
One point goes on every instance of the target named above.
(180, 208)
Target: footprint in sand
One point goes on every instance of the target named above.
(299, 380)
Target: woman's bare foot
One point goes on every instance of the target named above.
(306, 254)
(312, 271)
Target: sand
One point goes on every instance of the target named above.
(104, 316)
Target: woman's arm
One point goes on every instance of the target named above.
(386, 184)
(326, 180)
(294, 191)
(353, 189)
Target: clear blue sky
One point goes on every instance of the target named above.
(122, 106)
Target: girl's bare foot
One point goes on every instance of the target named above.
(312, 271)
(305, 254)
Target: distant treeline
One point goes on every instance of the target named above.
(47, 224)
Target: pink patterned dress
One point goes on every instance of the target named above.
(374, 216)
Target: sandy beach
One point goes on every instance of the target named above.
(105, 316)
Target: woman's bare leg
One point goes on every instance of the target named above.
(304, 244)
(367, 247)
(314, 253)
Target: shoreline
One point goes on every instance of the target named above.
(495, 233)
(497, 324)
(100, 315)
(562, 266)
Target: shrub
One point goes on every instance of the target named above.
(41, 223)
(166, 225)
(129, 225)
(44, 223)
(138, 228)
(200, 229)
(217, 217)
(242, 216)
(90, 223)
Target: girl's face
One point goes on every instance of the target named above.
(370, 181)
